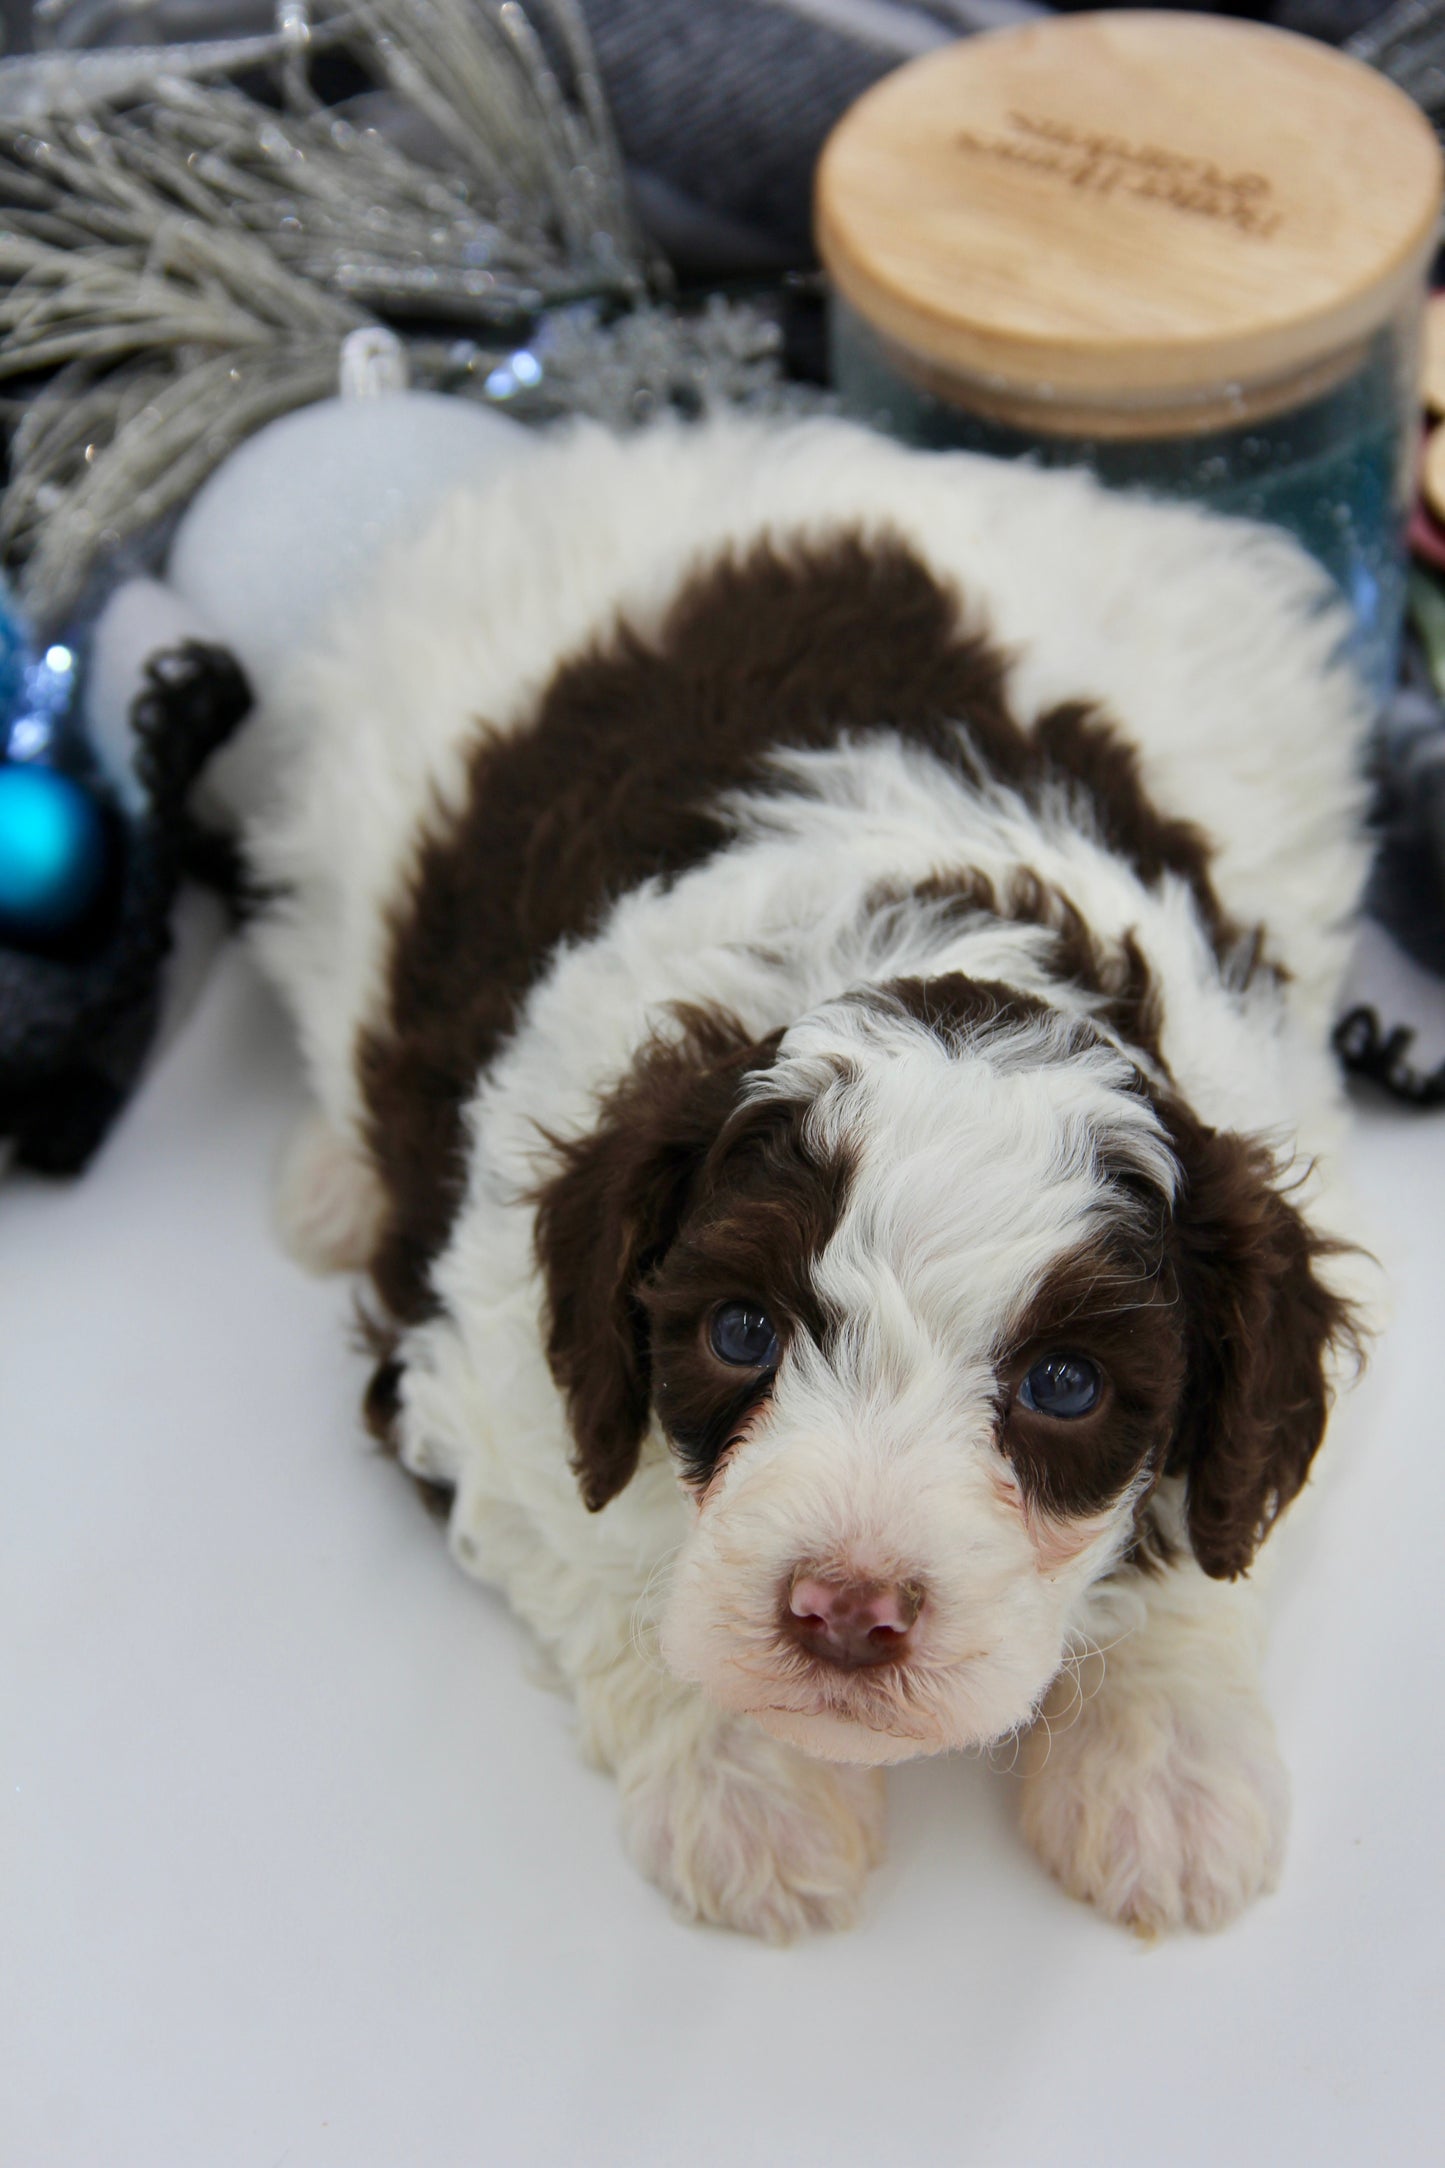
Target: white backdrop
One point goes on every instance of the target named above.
(299, 1867)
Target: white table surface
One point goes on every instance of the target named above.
(300, 1867)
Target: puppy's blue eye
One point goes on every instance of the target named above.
(743, 1334)
(1062, 1385)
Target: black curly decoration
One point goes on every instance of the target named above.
(1367, 1050)
(74, 1031)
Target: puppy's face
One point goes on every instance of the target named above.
(916, 1307)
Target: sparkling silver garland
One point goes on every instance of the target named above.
(1407, 43)
(188, 268)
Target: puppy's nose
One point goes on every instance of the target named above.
(851, 1623)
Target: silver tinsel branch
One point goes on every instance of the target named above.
(1407, 43)
(182, 270)
(623, 370)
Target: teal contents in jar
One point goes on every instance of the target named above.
(1336, 472)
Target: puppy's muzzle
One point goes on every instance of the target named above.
(851, 1624)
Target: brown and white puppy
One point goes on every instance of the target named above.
(815, 964)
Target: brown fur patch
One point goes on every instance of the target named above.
(1260, 1322)
(762, 1216)
(1114, 973)
(1074, 743)
(1213, 1331)
(955, 1006)
(618, 779)
(679, 1198)
(1111, 1303)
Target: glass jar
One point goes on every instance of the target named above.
(1112, 241)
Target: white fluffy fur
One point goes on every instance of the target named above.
(1152, 1784)
(329, 1205)
(1210, 642)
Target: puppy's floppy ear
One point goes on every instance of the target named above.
(609, 1215)
(1260, 1324)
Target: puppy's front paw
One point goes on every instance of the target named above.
(744, 1832)
(1164, 1814)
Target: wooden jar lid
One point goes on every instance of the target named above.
(1145, 210)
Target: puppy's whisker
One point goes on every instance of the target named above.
(643, 1624)
(1013, 1740)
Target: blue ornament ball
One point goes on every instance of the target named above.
(54, 852)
